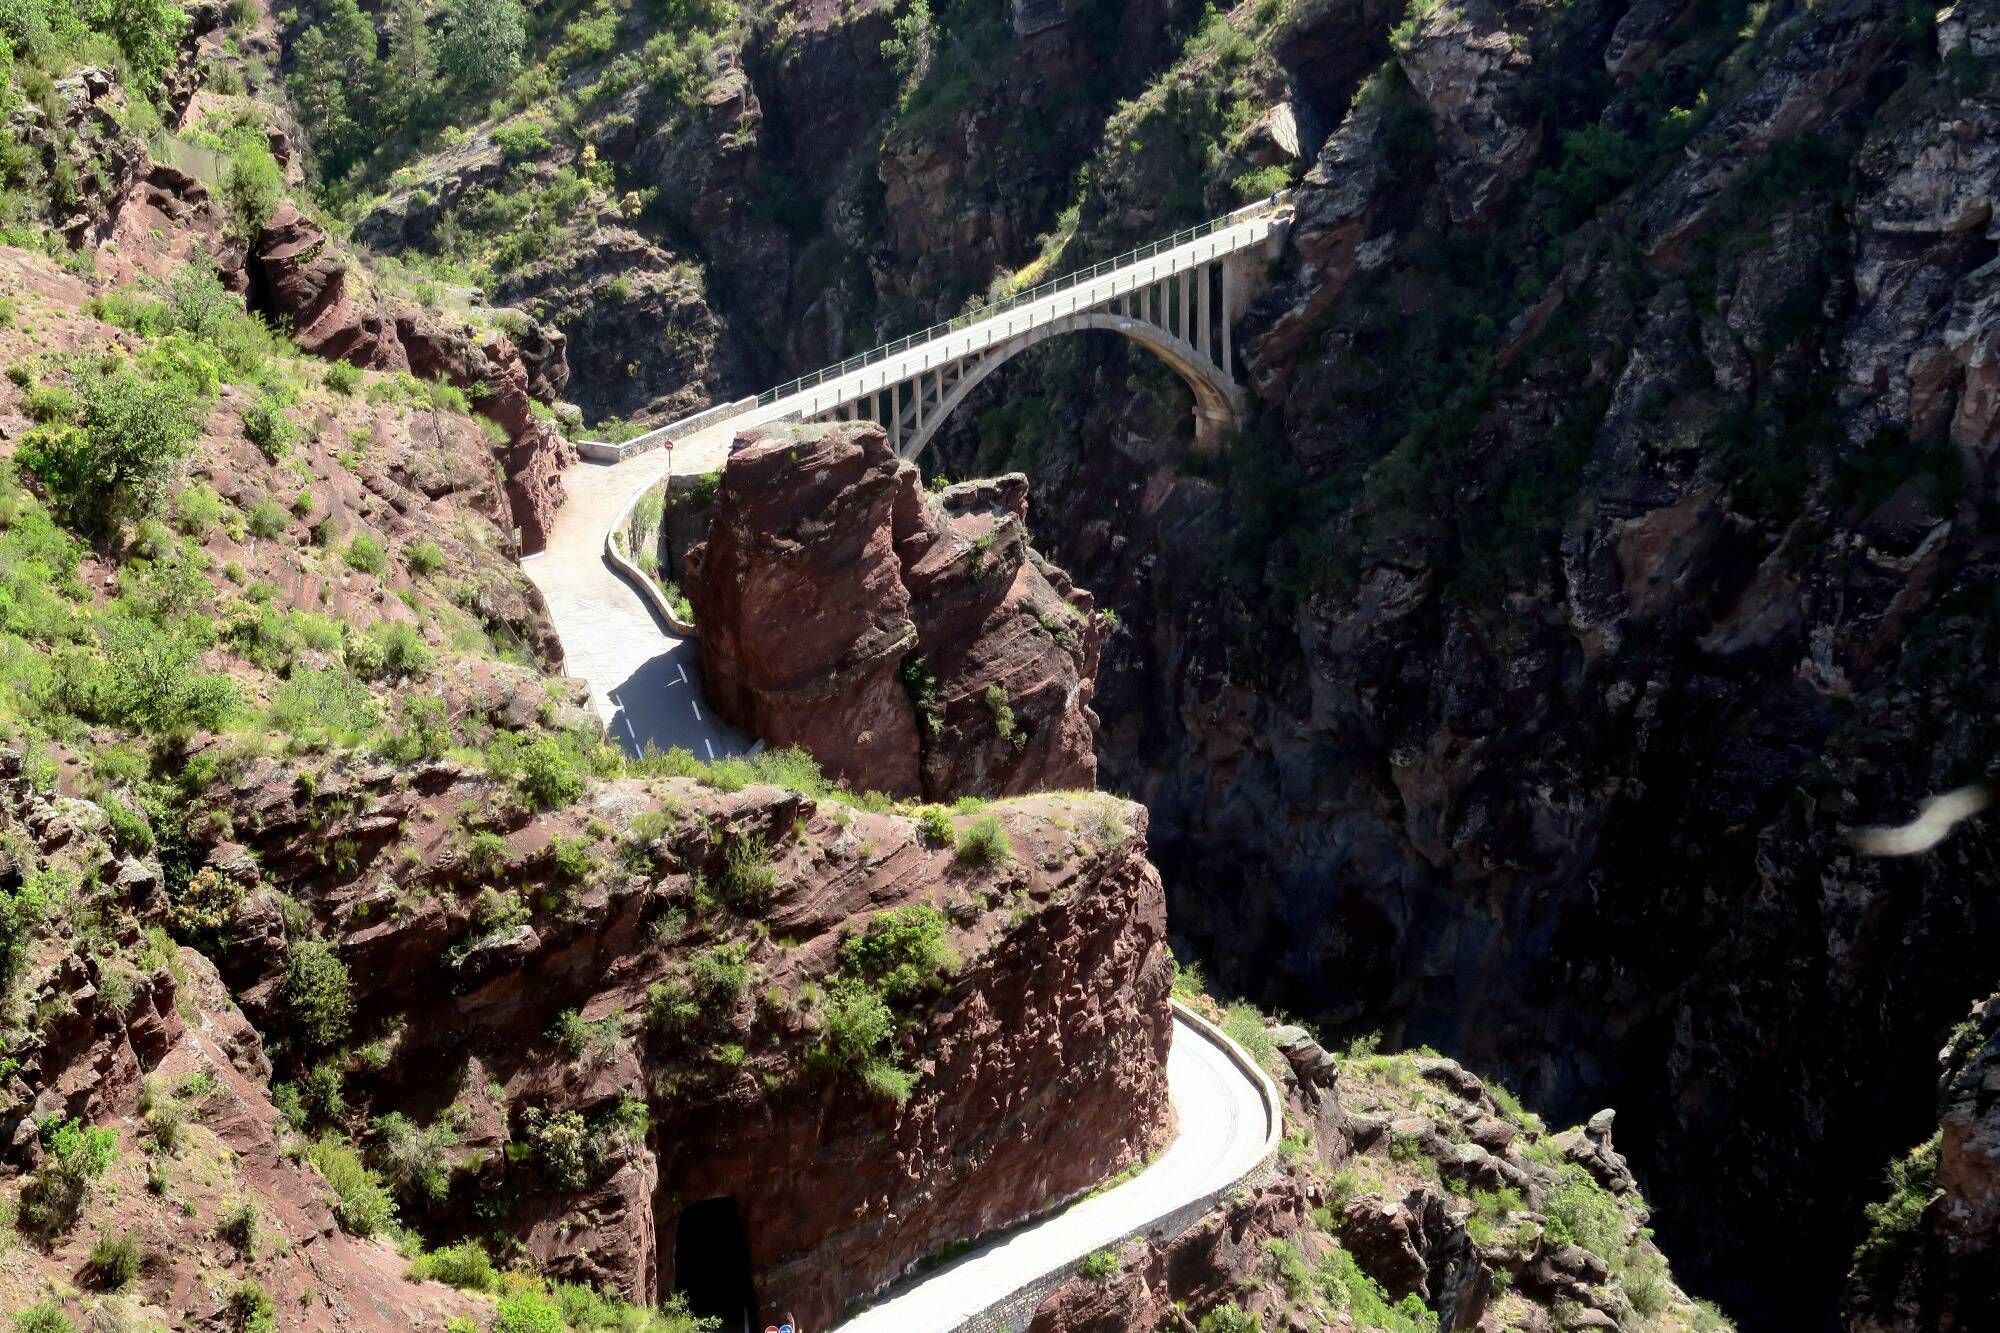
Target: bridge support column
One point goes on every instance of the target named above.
(1228, 315)
(1209, 428)
(1201, 310)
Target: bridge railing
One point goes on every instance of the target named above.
(987, 311)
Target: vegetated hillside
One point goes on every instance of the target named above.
(327, 921)
(759, 189)
(1612, 532)
(1409, 1196)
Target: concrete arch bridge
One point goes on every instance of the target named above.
(1179, 298)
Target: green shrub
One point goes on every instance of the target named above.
(936, 827)
(748, 878)
(322, 1094)
(528, 1312)
(43, 1317)
(238, 1226)
(342, 377)
(366, 554)
(117, 466)
(265, 422)
(76, 1157)
(1582, 1212)
(423, 558)
(363, 1205)
(721, 973)
(1341, 1280)
(1229, 1317)
(903, 951)
(524, 139)
(465, 1266)
(250, 1309)
(1004, 724)
(390, 648)
(560, 1141)
(321, 708)
(423, 729)
(196, 509)
(114, 1261)
(1895, 1223)
(984, 843)
(268, 519)
(855, 1024)
(572, 859)
(199, 305)
(550, 772)
(416, 1163)
(1646, 1284)
(50, 404)
(128, 828)
(1101, 1265)
(252, 187)
(318, 995)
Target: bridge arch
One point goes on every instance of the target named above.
(1216, 399)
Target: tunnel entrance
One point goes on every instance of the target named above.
(712, 1264)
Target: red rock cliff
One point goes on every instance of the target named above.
(913, 642)
(1032, 1065)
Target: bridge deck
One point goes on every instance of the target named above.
(706, 447)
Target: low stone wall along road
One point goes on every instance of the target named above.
(644, 680)
(1224, 1128)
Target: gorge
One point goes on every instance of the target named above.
(1606, 535)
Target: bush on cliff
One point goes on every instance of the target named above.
(319, 995)
(360, 1201)
(116, 467)
(903, 951)
(984, 843)
(1894, 1223)
(75, 1157)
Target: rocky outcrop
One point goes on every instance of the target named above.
(1931, 1260)
(1410, 1191)
(1012, 1102)
(299, 277)
(153, 1048)
(85, 148)
(1579, 586)
(913, 643)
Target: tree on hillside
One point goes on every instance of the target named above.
(483, 41)
(409, 74)
(332, 83)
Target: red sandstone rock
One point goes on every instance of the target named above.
(915, 644)
(299, 278)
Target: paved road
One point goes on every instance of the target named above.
(1220, 1130)
(644, 681)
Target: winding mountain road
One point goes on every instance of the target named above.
(646, 684)
(644, 681)
(1223, 1128)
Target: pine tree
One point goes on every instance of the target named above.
(409, 75)
(332, 82)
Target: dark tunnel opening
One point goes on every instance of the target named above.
(712, 1264)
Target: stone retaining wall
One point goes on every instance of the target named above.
(1014, 1313)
